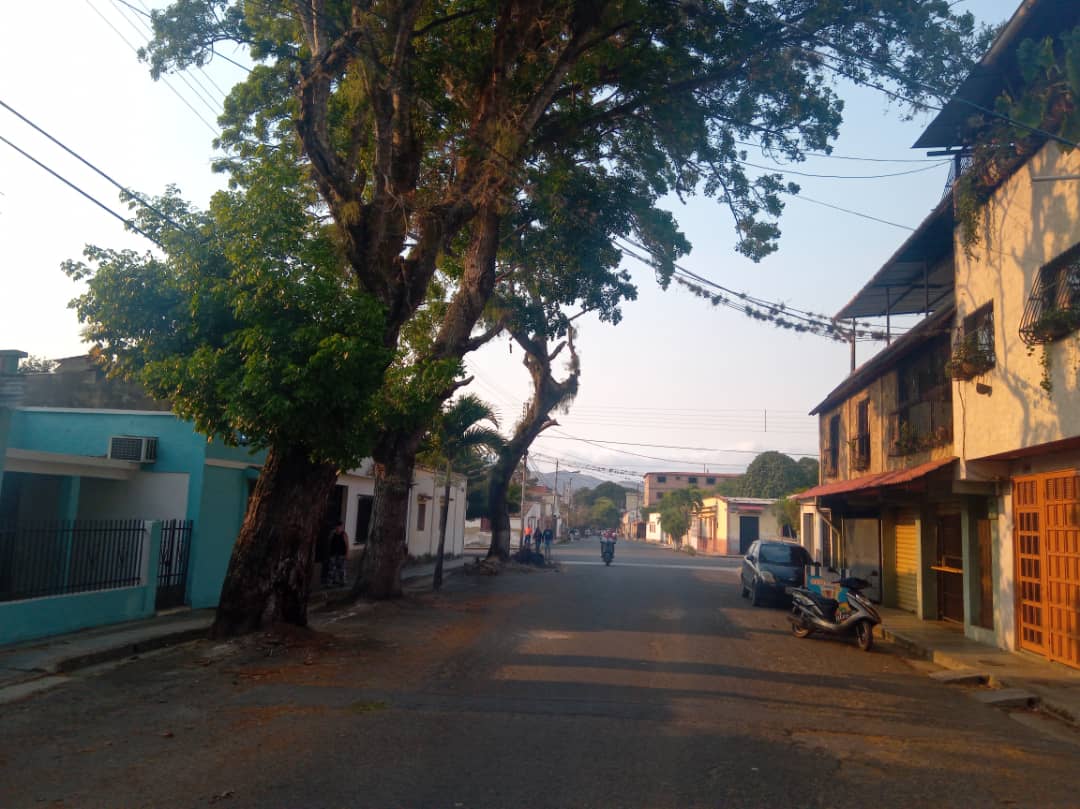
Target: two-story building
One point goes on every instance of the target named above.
(959, 444)
(657, 484)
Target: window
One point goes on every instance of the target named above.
(691, 480)
(832, 448)
(710, 481)
(973, 352)
(783, 554)
(924, 395)
(661, 478)
(861, 455)
(421, 516)
(1053, 310)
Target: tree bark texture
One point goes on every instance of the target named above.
(548, 393)
(387, 545)
(269, 574)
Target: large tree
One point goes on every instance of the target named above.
(247, 323)
(419, 119)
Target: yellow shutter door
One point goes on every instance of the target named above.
(907, 564)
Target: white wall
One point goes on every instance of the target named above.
(146, 496)
(428, 490)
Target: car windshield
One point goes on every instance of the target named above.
(790, 555)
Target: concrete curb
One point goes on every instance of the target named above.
(1044, 698)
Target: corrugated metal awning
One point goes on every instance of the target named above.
(880, 480)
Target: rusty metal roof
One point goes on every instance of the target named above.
(879, 480)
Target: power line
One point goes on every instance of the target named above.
(176, 92)
(781, 170)
(851, 157)
(127, 223)
(567, 437)
(853, 213)
(165, 217)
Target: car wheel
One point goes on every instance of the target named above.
(864, 635)
(755, 594)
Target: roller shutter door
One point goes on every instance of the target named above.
(907, 564)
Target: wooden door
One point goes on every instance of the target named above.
(1027, 518)
(1061, 561)
(950, 568)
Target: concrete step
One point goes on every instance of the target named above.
(1006, 698)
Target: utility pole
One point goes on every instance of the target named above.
(555, 499)
(524, 483)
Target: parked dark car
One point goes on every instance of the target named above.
(770, 567)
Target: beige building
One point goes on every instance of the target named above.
(657, 484)
(956, 450)
(728, 525)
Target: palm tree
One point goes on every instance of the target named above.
(456, 441)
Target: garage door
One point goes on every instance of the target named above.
(1047, 540)
(907, 564)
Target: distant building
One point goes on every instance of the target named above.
(657, 484)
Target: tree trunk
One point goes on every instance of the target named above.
(270, 568)
(387, 545)
(547, 394)
(436, 581)
(498, 510)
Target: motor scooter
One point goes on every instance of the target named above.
(607, 550)
(849, 613)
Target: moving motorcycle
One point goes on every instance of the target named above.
(607, 550)
(849, 613)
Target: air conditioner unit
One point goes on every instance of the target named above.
(138, 448)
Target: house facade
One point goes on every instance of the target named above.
(976, 504)
(657, 484)
(112, 508)
(728, 525)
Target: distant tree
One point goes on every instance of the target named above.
(771, 474)
(809, 467)
(675, 511)
(37, 365)
(604, 513)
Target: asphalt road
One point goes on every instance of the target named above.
(649, 683)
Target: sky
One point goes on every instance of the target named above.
(679, 384)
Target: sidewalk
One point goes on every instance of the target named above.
(1056, 687)
(36, 665)
(40, 664)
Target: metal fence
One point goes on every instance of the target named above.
(72, 556)
(173, 563)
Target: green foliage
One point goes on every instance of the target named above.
(786, 511)
(675, 509)
(1047, 98)
(969, 357)
(247, 324)
(611, 491)
(603, 513)
(773, 474)
(457, 437)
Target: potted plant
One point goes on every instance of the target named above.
(969, 358)
(1055, 323)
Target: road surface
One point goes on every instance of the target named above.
(649, 683)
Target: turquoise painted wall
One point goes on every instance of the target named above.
(224, 500)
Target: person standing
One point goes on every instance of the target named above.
(339, 549)
(526, 541)
(549, 536)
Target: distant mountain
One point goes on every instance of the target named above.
(580, 481)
